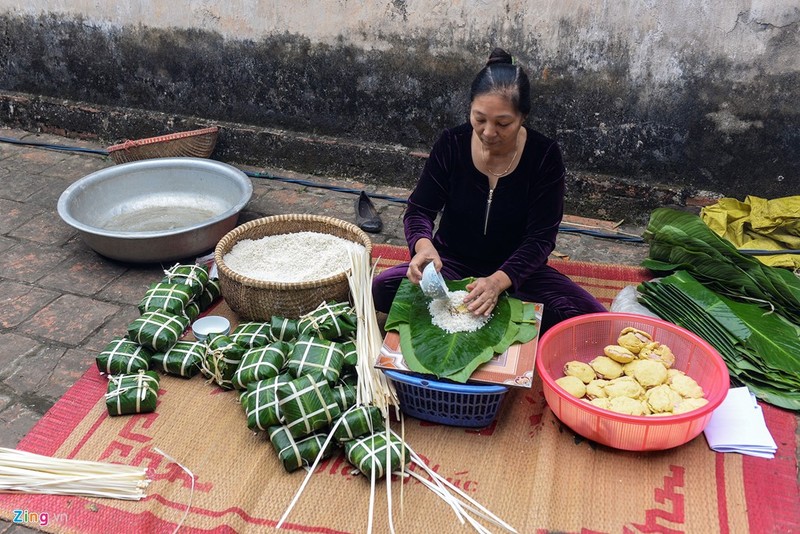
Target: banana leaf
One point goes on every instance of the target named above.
(682, 241)
(430, 350)
(761, 350)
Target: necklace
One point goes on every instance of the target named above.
(486, 162)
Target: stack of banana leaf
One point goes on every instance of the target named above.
(748, 311)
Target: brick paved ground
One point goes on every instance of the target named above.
(60, 302)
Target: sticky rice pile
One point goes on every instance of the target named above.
(451, 315)
(290, 258)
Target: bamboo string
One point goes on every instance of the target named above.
(441, 481)
(191, 493)
(26, 472)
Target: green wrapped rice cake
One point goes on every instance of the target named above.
(369, 453)
(350, 354)
(211, 292)
(194, 276)
(261, 363)
(182, 359)
(336, 321)
(345, 393)
(131, 394)
(307, 404)
(295, 453)
(261, 402)
(167, 297)
(358, 422)
(192, 311)
(157, 330)
(252, 334)
(221, 360)
(283, 329)
(316, 355)
(123, 356)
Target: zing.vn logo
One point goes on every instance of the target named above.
(40, 518)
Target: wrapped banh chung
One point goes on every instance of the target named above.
(167, 297)
(252, 334)
(369, 454)
(260, 403)
(329, 321)
(123, 356)
(182, 359)
(293, 452)
(194, 276)
(157, 330)
(307, 404)
(316, 355)
(261, 363)
(221, 360)
(131, 394)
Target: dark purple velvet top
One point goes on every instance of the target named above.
(517, 232)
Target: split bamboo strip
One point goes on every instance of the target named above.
(25, 472)
(191, 494)
(373, 386)
(441, 482)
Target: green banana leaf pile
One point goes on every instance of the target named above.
(748, 311)
(428, 349)
(682, 241)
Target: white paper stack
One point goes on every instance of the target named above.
(737, 425)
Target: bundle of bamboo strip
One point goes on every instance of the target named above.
(26, 472)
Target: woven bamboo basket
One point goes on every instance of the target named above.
(193, 143)
(258, 300)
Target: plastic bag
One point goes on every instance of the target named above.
(626, 302)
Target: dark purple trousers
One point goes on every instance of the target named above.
(562, 298)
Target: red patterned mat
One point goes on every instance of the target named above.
(526, 467)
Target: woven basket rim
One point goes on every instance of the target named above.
(133, 143)
(231, 238)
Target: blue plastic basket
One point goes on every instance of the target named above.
(448, 403)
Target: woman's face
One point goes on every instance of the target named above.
(495, 121)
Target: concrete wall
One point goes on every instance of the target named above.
(647, 95)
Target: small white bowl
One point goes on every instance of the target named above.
(210, 325)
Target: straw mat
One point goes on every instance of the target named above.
(526, 468)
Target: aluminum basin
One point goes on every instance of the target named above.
(156, 210)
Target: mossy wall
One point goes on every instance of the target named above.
(700, 94)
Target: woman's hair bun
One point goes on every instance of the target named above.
(499, 55)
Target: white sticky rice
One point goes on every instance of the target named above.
(290, 258)
(446, 315)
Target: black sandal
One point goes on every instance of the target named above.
(367, 217)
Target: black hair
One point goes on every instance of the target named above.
(501, 76)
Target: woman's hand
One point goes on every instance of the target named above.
(485, 292)
(425, 253)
